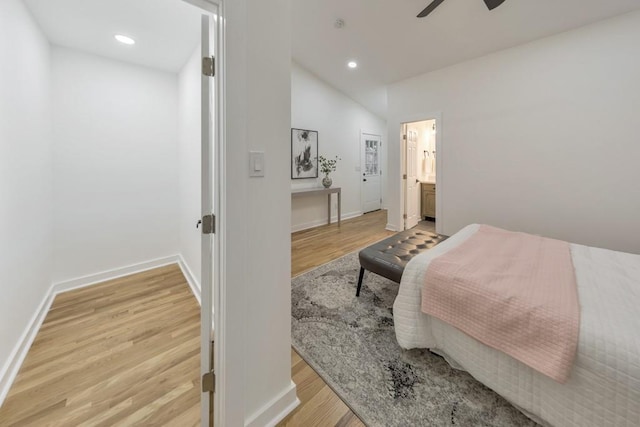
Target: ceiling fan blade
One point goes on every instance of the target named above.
(431, 8)
(492, 4)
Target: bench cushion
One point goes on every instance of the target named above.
(389, 256)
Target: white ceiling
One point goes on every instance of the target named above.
(166, 31)
(391, 44)
(383, 36)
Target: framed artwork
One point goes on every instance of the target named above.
(304, 153)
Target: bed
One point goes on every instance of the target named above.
(604, 385)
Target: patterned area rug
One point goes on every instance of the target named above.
(351, 343)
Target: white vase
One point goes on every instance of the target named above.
(326, 181)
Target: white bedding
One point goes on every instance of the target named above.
(604, 387)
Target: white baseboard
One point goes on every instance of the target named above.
(194, 284)
(19, 353)
(276, 410)
(318, 222)
(115, 273)
(191, 278)
(391, 227)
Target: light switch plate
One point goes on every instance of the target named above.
(256, 163)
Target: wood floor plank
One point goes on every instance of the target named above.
(126, 352)
(120, 352)
(320, 245)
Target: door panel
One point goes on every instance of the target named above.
(371, 172)
(413, 185)
(208, 145)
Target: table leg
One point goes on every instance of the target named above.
(329, 208)
(339, 206)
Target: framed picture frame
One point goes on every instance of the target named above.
(304, 153)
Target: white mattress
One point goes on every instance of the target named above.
(604, 387)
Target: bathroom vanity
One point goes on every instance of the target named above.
(428, 199)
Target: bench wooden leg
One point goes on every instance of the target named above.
(360, 281)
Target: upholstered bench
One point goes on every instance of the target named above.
(388, 257)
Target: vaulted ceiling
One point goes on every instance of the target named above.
(390, 44)
(384, 36)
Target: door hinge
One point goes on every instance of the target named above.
(209, 224)
(209, 382)
(209, 66)
(404, 137)
(404, 176)
(404, 216)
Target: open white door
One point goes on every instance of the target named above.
(413, 187)
(370, 162)
(212, 138)
(208, 229)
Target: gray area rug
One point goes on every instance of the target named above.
(351, 343)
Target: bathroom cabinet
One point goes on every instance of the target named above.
(428, 200)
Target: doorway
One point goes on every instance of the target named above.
(419, 173)
(134, 131)
(370, 165)
(212, 182)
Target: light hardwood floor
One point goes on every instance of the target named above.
(126, 352)
(316, 246)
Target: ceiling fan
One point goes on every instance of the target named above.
(491, 4)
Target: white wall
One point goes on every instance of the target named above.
(339, 120)
(25, 178)
(541, 138)
(189, 149)
(116, 175)
(255, 347)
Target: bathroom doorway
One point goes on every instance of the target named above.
(419, 173)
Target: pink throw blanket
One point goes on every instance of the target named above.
(514, 292)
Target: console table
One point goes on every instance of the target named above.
(317, 191)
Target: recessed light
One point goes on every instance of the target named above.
(124, 39)
(352, 64)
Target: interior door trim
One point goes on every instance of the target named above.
(381, 158)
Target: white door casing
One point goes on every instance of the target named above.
(219, 199)
(370, 167)
(398, 184)
(212, 180)
(207, 247)
(413, 188)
